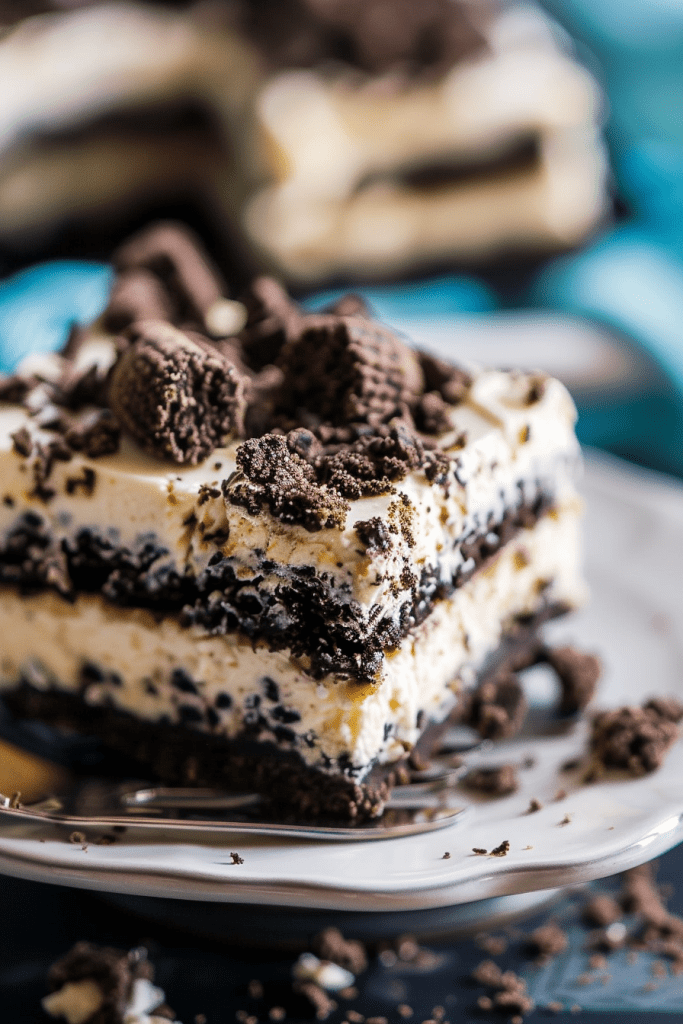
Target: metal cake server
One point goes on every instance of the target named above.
(97, 810)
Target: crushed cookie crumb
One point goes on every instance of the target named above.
(22, 442)
(495, 945)
(106, 840)
(495, 781)
(548, 941)
(330, 944)
(502, 850)
(85, 482)
(601, 910)
(236, 859)
(636, 738)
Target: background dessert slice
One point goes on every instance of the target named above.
(331, 143)
(499, 153)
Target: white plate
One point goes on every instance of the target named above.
(634, 533)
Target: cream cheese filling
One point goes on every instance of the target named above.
(236, 685)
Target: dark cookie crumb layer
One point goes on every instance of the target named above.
(302, 612)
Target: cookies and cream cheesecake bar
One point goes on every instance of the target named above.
(276, 558)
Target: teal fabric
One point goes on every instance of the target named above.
(632, 278)
(444, 296)
(39, 306)
(632, 281)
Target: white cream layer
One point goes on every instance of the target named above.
(48, 641)
(511, 448)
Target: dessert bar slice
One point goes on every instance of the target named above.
(279, 559)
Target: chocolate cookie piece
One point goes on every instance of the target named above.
(493, 781)
(601, 911)
(547, 941)
(640, 896)
(636, 738)
(175, 256)
(578, 674)
(111, 972)
(96, 433)
(346, 370)
(511, 995)
(372, 463)
(274, 477)
(496, 709)
(178, 398)
(350, 954)
(431, 414)
(273, 320)
(451, 382)
(373, 534)
(137, 294)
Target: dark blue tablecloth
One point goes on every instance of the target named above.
(40, 922)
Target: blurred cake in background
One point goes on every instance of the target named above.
(377, 174)
(334, 139)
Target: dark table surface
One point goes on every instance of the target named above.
(201, 976)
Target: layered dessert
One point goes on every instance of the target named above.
(253, 546)
(492, 146)
(336, 139)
